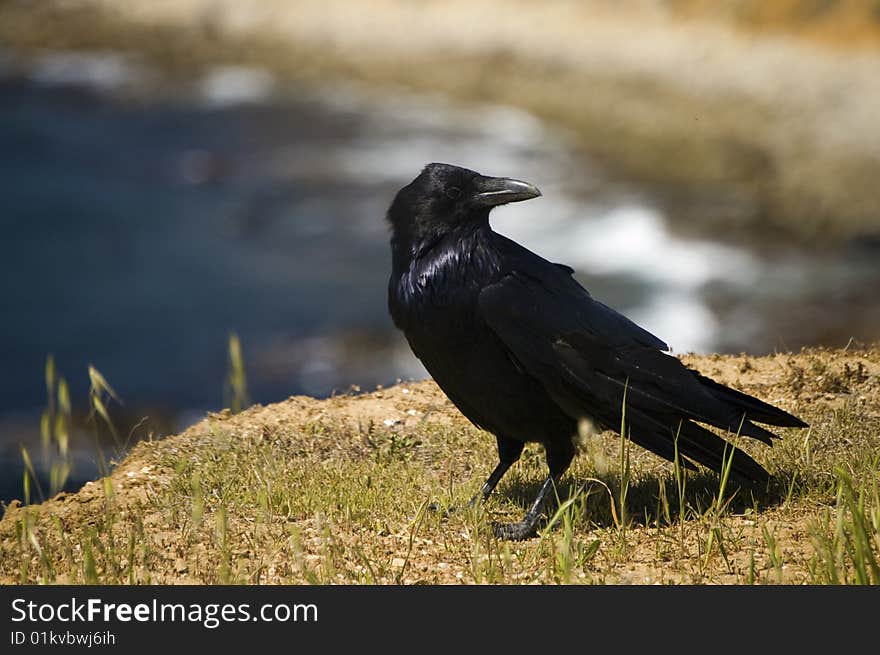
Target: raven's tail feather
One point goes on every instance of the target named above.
(755, 409)
(697, 444)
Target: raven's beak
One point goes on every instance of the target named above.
(492, 191)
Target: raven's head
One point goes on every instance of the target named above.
(444, 197)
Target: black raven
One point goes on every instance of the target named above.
(524, 351)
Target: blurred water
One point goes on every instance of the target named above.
(144, 219)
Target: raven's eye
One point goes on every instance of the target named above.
(453, 192)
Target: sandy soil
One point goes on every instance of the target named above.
(817, 384)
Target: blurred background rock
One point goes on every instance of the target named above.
(177, 170)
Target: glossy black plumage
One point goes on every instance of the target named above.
(524, 351)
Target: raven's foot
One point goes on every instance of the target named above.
(515, 531)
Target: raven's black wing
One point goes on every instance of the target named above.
(587, 356)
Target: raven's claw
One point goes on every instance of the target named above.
(514, 531)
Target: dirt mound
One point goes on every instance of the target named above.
(336, 491)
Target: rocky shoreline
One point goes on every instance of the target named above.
(760, 133)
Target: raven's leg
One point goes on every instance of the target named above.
(509, 452)
(559, 457)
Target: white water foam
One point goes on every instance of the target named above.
(224, 86)
(103, 71)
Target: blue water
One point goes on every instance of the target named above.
(145, 220)
(109, 257)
